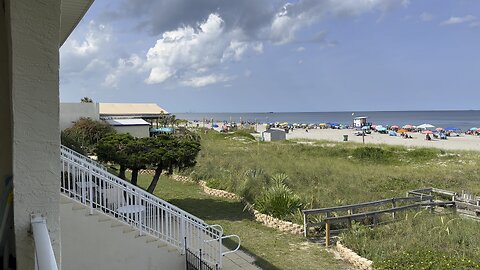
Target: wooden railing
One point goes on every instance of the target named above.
(466, 203)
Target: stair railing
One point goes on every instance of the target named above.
(91, 184)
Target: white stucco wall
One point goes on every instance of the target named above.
(34, 32)
(90, 244)
(71, 112)
(135, 131)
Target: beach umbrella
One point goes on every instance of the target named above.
(402, 130)
(407, 126)
(452, 129)
(473, 128)
(381, 128)
(439, 129)
(427, 132)
(425, 126)
(365, 127)
(394, 127)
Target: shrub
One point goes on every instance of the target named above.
(427, 259)
(255, 180)
(423, 154)
(369, 153)
(70, 142)
(216, 184)
(278, 200)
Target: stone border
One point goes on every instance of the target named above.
(353, 258)
(269, 221)
(145, 171)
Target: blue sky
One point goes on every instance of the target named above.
(270, 55)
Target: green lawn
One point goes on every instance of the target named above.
(271, 248)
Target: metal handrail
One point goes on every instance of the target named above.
(44, 256)
(91, 184)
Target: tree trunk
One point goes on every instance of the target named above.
(170, 169)
(121, 172)
(156, 176)
(134, 177)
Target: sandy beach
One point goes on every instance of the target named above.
(464, 142)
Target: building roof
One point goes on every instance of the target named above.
(127, 122)
(130, 109)
(72, 11)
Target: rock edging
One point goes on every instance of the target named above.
(267, 220)
(353, 258)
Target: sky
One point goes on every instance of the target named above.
(277, 56)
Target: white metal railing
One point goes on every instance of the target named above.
(88, 182)
(44, 256)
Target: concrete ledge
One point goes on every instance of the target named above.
(269, 221)
(353, 258)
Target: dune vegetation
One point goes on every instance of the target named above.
(281, 178)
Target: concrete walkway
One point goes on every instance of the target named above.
(239, 260)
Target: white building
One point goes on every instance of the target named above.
(138, 128)
(274, 134)
(65, 211)
(359, 122)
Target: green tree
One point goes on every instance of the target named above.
(168, 152)
(86, 100)
(87, 132)
(138, 155)
(113, 148)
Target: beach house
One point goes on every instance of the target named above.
(59, 209)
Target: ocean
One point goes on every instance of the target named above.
(460, 119)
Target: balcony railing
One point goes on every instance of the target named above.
(89, 183)
(44, 256)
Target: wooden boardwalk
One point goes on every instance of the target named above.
(382, 211)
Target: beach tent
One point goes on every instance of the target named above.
(365, 127)
(425, 126)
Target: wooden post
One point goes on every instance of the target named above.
(305, 229)
(394, 204)
(327, 234)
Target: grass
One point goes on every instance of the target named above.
(327, 174)
(419, 241)
(272, 249)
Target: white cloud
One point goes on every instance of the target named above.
(426, 17)
(295, 16)
(460, 20)
(204, 80)
(300, 49)
(97, 35)
(125, 66)
(188, 53)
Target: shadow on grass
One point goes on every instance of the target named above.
(259, 261)
(211, 209)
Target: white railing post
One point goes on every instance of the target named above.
(90, 177)
(182, 230)
(140, 216)
(45, 258)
